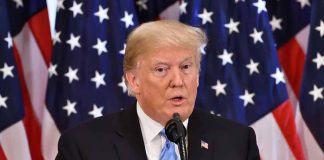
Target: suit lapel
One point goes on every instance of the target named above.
(131, 131)
(199, 145)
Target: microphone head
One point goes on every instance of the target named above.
(174, 129)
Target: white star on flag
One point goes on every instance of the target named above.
(202, 49)
(256, 36)
(3, 101)
(73, 41)
(247, 98)
(123, 50)
(226, 57)
(70, 108)
(182, 7)
(60, 5)
(278, 76)
(8, 39)
(100, 46)
(261, 5)
(316, 93)
(253, 67)
(96, 112)
(128, 19)
(102, 14)
(72, 74)
(232, 26)
(19, 3)
(303, 3)
(142, 4)
(236, 1)
(123, 85)
(56, 37)
(319, 60)
(52, 70)
(7, 71)
(206, 16)
(203, 144)
(76, 9)
(275, 23)
(219, 88)
(99, 79)
(320, 28)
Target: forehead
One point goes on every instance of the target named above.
(169, 55)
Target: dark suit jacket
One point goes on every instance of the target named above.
(118, 137)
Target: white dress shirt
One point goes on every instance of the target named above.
(153, 142)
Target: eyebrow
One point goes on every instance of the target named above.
(159, 62)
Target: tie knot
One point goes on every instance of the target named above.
(168, 150)
(162, 133)
(167, 141)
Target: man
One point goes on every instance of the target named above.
(161, 67)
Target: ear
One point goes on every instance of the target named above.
(132, 81)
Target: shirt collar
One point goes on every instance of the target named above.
(150, 128)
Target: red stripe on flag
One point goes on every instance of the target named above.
(292, 60)
(40, 27)
(2, 155)
(284, 116)
(31, 124)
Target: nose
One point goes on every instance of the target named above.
(176, 79)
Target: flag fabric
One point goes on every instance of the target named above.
(85, 74)
(291, 22)
(311, 101)
(25, 47)
(203, 144)
(241, 78)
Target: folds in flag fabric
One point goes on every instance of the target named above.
(311, 95)
(297, 31)
(25, 48)
(85, 74)
(241, 77)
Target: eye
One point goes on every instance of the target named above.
(186, 68)
(160, 71)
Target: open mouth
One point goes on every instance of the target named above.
(177, 100)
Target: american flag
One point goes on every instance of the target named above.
(25, 48)
(85, 74)
(311, 93)
(292, 22)
(241, 78)
(203, 144)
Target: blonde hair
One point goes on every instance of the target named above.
(151, 36)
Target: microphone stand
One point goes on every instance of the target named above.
(176, 132)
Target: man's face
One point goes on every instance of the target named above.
(166, 82)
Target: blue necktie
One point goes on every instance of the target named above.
(168, 150)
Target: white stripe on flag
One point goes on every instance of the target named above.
(172, 12)
(310, 146)
(302, 38)
(34, 68)
(50, 136)
(271, 143)
(14, 142)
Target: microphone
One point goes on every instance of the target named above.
(176, 132)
